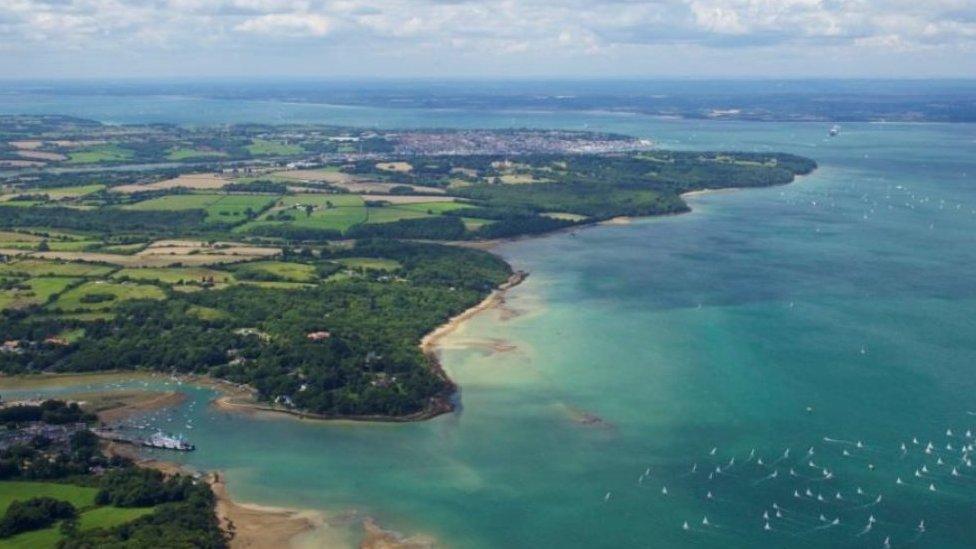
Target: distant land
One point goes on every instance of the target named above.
(754, 100)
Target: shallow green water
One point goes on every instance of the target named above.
(841, 306)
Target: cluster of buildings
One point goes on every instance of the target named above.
(58, 436)
(513, 143)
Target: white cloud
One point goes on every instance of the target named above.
(288, 25)
(544, 32)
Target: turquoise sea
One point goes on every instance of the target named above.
(759, 361)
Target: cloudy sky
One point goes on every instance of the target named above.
(472, 38)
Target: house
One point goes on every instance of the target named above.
(11, 346)
(318, 336)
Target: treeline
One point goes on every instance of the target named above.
(426, 228)
(55, 412)
(294, 233)
(34, 514)
(106, 221)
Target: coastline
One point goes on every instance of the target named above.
(439, 404)
(241, 399)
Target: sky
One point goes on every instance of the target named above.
(487, 38)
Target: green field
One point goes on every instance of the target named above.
(84, 317)
(72, 245)
(38, 539)
(100, 153)
(11, 236)
(206, 313)
(83, 498)
(275, 285)
(40, 267)
(72, 299)
(41, 289)
(264, 147)
(183, 153)
(220, 208)
(124, 249)
(370, 263)
(322, 200)
(340, 212)
(387, 214)
(235, 208)
(58, 193)
(21, 203)
(433, 207)
(330, 211)
(175, 275)
(79, 496)
(107, 517)
(280, 270)
(473, 223)
(174, 202)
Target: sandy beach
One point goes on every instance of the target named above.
(429, 343)
(256, 526)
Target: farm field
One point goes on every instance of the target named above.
(175, 275)
(220, 208)
(11, 236)
(100, 154)
(40, 290)
(276, 270)
(37, 267)
(473, 223)
(370, 263)
(392, 213)
(329, 211)
(265, 147)
(81, 497)
(435, 207)
(93, 296)
(183, 153)
(322, 200)
(60, 193)
(341, 212)
(108, 517)
(196, 181)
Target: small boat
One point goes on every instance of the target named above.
(834, 130)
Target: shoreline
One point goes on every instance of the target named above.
(440, 404)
